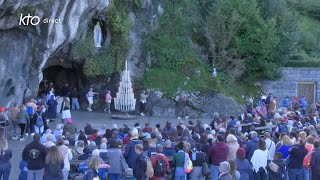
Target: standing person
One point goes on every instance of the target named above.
(233, 170)
(218, 153)
(31, 107)
(182, 111)
(114, 155)
(252, 145)
(286, 102)
(5, 156)
(66, 90)
(39, 120)
(295, 166)
(65, 109)
(198, 158)
(53, 165)
(67, 157)
(233, 147)
(108, 102)
(143, 102)
(90, 96)
(243, 165)
(52, 109)
(303, 105)
(259, 161)
(224, 169)
(74, 99)
(14, 119)
(141, 163)
(267, 102)
(35, 154)
(270, 145)
(160, 164)
(306, 160)
(286, 145)
(130, 154)
(315, 161)
(178, 161)
(49, 94)
(23, 119)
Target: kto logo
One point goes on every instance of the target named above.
(25, 20)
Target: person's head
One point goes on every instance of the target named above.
(241, 153)
(286, 140)
(36, 137)
(302, 142)
(135, 133)
(108, 92)
(310, 139)
(253, 134)
(91, 89)
(231, 139)
(267, 135)
(138, 148)
(48, 131)
(50, 137)
(80, 144)
(167, 143)
(278, 156)
(198, 147)
(159, 148)
(215, 115)
(60, 142)
(220, 138)
(224, 167)
(316, 143)
(262, 145)
(103, 146)
(94, 163)
(181, 145)
(54, 156)
(96, 153)
(302, 135)
(114, 144)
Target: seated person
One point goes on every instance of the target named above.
(103, 151)
(69, 138)
(78, 150)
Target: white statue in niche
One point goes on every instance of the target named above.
(97, 35)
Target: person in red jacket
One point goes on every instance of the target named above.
(160, 164)
(217, 154)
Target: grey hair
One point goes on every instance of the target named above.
(253, 134)
(224, 167)
(159, 148)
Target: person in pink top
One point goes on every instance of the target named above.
(108, 102)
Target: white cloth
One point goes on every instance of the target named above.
(259, 159)
(233, 148)
(271, 147)
(66, 114)
(67, 155)
(90, 100)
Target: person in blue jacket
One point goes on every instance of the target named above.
(286, 102)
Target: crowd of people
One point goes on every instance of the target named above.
(223, 149)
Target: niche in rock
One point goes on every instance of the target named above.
(60, 75)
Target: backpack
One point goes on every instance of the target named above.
(160, 168)
(187, 164)
(149, 171)
(39, 121)
(30, 111)
(283, 128)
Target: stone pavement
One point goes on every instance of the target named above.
(80, 118)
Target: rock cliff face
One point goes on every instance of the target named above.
(25, 49)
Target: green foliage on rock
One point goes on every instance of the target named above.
(109, 61)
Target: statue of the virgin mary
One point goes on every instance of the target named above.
(97, 35)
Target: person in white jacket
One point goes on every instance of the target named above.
(67, 155)
(271, 147)
(259, 161)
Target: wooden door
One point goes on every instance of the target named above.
(308, 91)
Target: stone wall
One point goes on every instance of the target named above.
(287, 85)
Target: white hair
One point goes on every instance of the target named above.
(96, 153)
(134, 132)
(231, 138)
(224, 167)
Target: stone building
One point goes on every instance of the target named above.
(295, 82)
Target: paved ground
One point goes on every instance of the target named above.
(80, 118)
